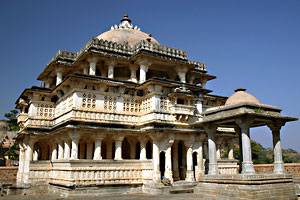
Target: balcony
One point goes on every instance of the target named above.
(180, 109)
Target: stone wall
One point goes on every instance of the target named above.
(290, 168)
(8, 175)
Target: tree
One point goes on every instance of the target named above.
(12, 120)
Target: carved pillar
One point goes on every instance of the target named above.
(212, 154)
(54, 151)
(156, 169)
(168, 161)
(118, 145)
(93, 65)
(111, 65)
(244, 123)
(85, 68)
(175, 161)
(181, 72)
(199, 168)
(61, 150)
(35, 156)
(189, 162)
(133, 70)
(144, 65)
(21, 163)
(143, 142)
(59, 76)
(278, 161)
(230, 150)
(67, 148)
(219, 143)
(89, 149)
(75, 136)
(98, 137)
(29, 142)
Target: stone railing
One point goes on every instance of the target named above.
(90, 172)
(64, 55)
(227, 166)
(290, 168)
(182, 109)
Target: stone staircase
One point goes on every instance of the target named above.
(177, 187)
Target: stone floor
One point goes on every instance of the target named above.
(106, 197)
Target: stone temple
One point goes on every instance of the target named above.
(126, 110)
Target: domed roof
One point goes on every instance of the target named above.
(240, 96)
(125, 33)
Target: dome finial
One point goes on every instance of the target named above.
(125, 18)
(240, 89)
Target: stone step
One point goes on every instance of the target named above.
(180, 191)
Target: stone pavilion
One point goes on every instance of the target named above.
(126, 110)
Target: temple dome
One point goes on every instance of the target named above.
(240, 96)
(125, 33)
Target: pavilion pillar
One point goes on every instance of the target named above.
(133, 70)
(168, 161)
(21, 163)
(247, 165)
(144, 66)
(93, 65)
(118, 150)
(67, 149)
(98, 137)
(156, 169)
(111, 65)
(218, 143)
(181, 72)
(199, 168)
(54, 151)
(75, 136)
(89, 149)
(143, 149)
(175, 161)
(59, 76)
(29, 142)
(278, 161)
(230, 150)
(35, 155)
(60, 150)
(189, 161)
(211, 131)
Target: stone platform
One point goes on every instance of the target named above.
(259, 186)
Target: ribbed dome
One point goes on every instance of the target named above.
(240, 96)
(125, 33)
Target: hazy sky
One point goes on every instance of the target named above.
(250, 44)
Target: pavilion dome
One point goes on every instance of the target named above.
(126, 33)
(240, 96)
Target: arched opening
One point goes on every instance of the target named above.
(137, 150)
(82, 150)
(103, 150)
(194, 163)
(162, 158)
(181, 160)
(149, 150)
(125, 149)
(113, 150)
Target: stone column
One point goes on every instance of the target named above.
(189, 162)
(118, 150)
(48, 83)
(244, 123)
(133, 70)
(181, 72)
(85, 68)
(156, 169)
(59, 76)
(82, 150)
(54, 151)
(35, 155)
(218, 143)
(21, 163)
(109, 149)
(98, 137)
(111, 65)
(203, 82)
(278, 161)
(175, 161)
(230, 150)
(67, 148)
(212, 154)
(29, 142)
(168, 161)
(89, 149)
(93, 65)
(75, 136)
(143, 143)
(144, 65)
(60, 150)
(199, 168)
